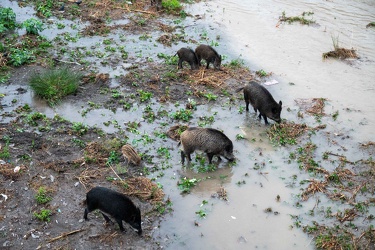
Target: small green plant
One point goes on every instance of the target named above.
(43, 215)
(44, 8)
(171, 5)
(240, 137)
(210, 97)
(80, 128)
(79, 142)
(144, 95)
(169, 59)
(33, 26)
(60, 26)
(185, 184)
(7, 19)
(20, 56)
(42, 196)
(113, 158)
(52, 85)
(201, 213)
(205, 120)
(335, 115)
(192, 104)
(261, 73)
(4, 152)
(163, 151)
(182, 114)
(236, 63)
(33, 117)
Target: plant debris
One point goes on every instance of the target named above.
(341, 53)
(142, 188)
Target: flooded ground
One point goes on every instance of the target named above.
(262, 205)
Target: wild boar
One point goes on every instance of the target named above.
(207, 53)
(187, 55)
(209, 140)
(262, 100)
(115, 204)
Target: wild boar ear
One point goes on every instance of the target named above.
(280, 103)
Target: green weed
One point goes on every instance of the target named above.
(210, 97)
(53, 85)
(171, 5)
(113, 158)
(168, 59)
(185, 184)
(261, 73)
(4, 152)
(42, 196)
(7, 19)
(80, 128)
(20, 56)
(33, 26)
(43, 215)
(182, 114)
(32, 118)
(144, 95)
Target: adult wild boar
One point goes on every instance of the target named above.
(187, 55)
(115, 204)
(262, 100)
(209, 140)
(207, 53)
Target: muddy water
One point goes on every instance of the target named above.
(248, 31)
(294, 52)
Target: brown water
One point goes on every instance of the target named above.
(248, 31)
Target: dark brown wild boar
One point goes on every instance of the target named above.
(211, 141)
(262, 100)
(207, 53)
(187, 55)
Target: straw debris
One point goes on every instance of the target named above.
(142, 188)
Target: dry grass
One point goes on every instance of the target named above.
(313, 106)
(341, 53)
(12, 172)
(214, 78)
(314, 187)
(286, 132)
(141, 187)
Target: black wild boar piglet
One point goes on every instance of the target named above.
(115, 204)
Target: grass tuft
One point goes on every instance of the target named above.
(53, 85)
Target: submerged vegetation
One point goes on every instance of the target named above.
(301, 19)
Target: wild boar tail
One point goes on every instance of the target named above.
(239, 89)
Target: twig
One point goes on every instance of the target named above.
(310, 241)
(115, 173)
(65, 234)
